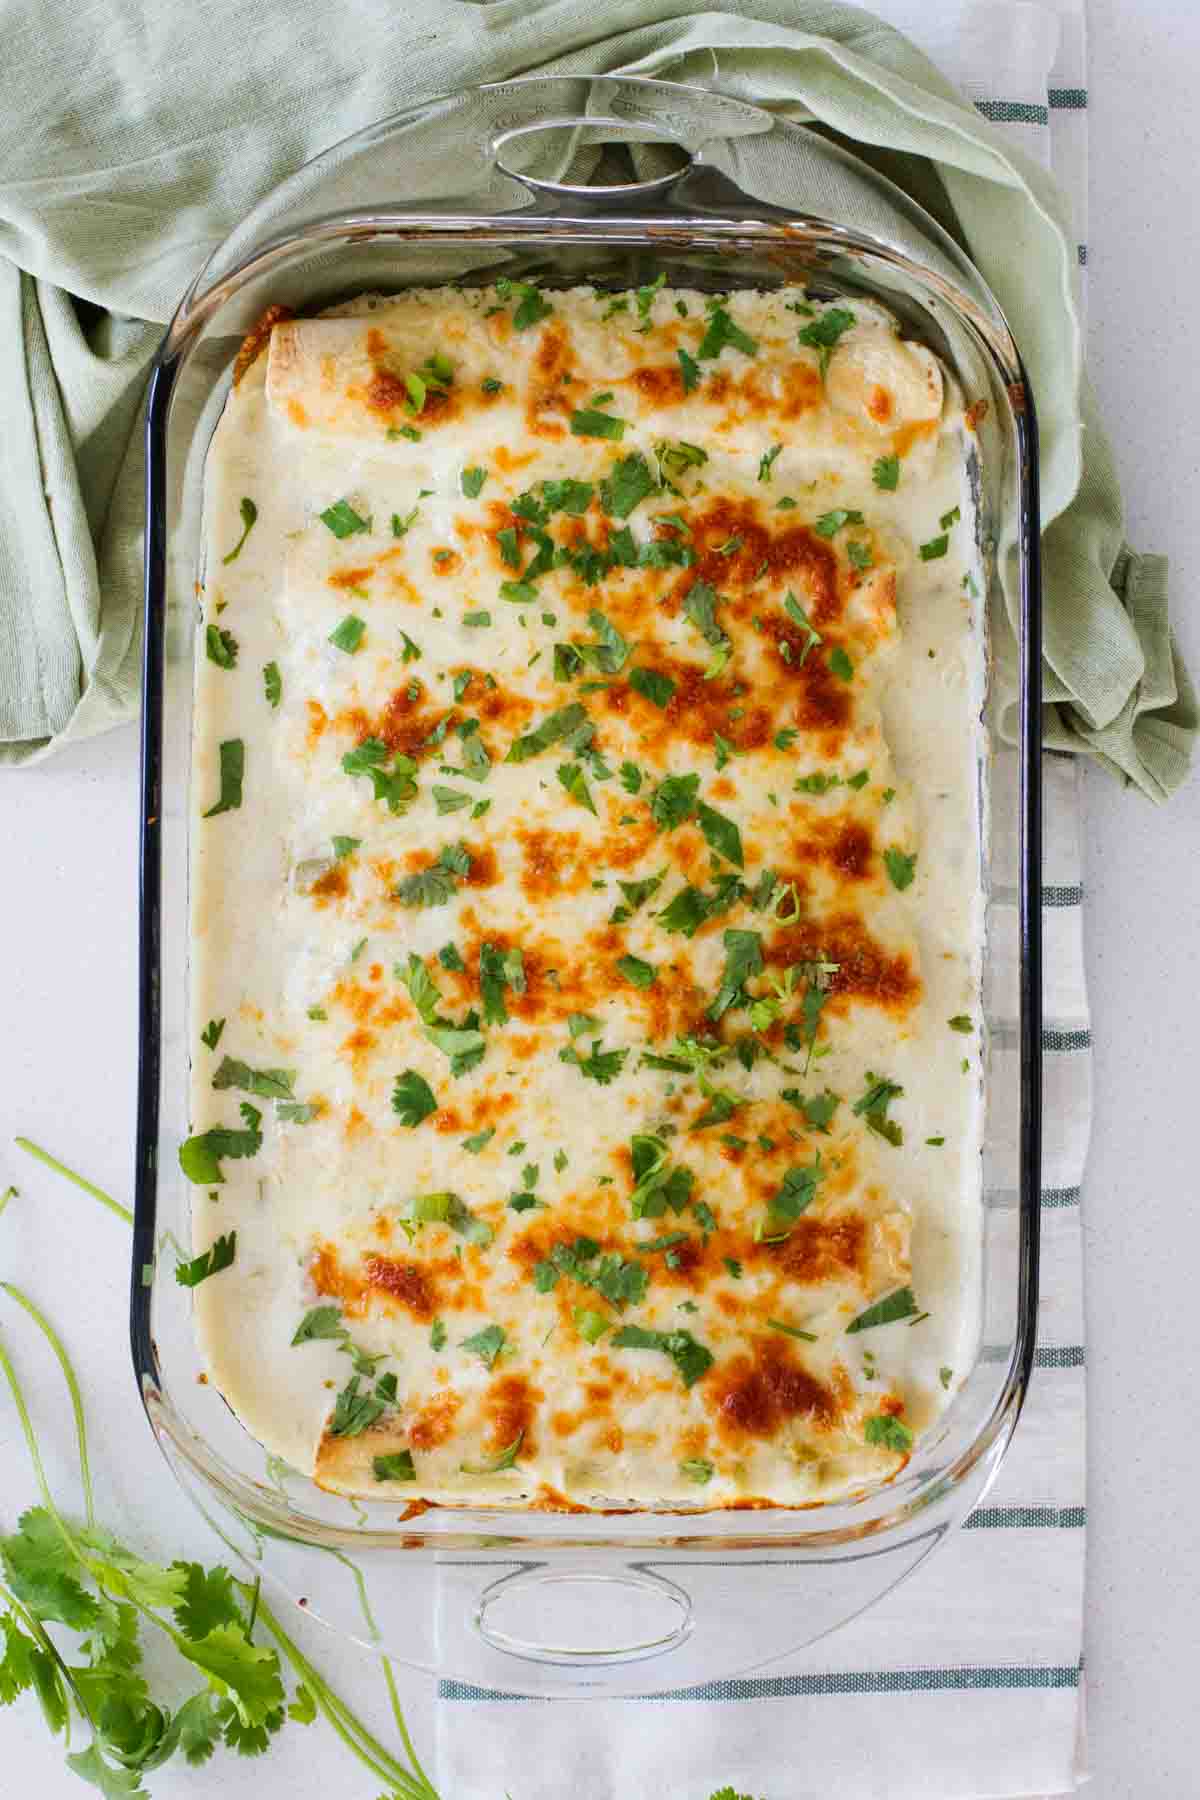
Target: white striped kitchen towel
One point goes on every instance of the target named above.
(965, 1683)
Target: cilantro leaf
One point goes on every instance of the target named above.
(531, 308)
(231, 757)
(249, 513)
(840, 664)
(743, 958)
(206, 1599)
(39, 1566)
(412, 1098)
(631, 777)
(239, 1671)
(832, 522)
(272, 683)
(888, 1432)
(342, 519)
(438, 884)
(721, 331)
(210, 1037)
(626, 485)
(221, 647)
(499, 969)
(689, 370)
(692, 907)
(886, 473)
(591, 423)
(721, 834)
(396, 1466)
(572, 777)
(798, 1190)
(653, 685)
(348, 635)
(553, 729)
(935, 548)
(895, 1306)
(636, 894)
(268, 1084)
(817, 1109)
(639, 974)
(692, 1359)
(221, 1255)
(599, 1065)
(872, 1107)
(472, 481)
(200, 1156)
(825, 330)
(486, 1344)
(674, 800)
(900, 868)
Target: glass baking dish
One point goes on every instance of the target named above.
(625, 1602)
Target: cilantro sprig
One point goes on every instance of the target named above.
(80, 1604)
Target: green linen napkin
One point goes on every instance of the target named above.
(135, 138)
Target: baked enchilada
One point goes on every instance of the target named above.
(586, 905)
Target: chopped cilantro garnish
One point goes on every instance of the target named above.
(349, 634)
(630, 777)
(627, 483)
(210, 1037)
(806, 1337)
(652, 685)
(691, 907)
(574, 780)
(591, 423)
(449, 958)
(895, 1306)
(220, 1255)
(961, 1022)
(477, 620)
(692, 1359)
(798, 1190)
(342, 519)
(479, 1140)
(499, 969)
(396, 785)
(472, 481)
(638, 973)
(397, 1465)
(900, 868)
(438, 883)
(886, 473)
(200, 1156)
(721, 331)
(674, 457)
(231, 756)
(486, 1344)
(798, 616)
(840, 664)
(721, 834)
(817, 1109)
(220, 647)
(636, 894)
(689, 370)
(825, 330)
(553, 729)
(412, 1098)
(674, 800)
(872, 1107)
(950, 518)
(935, 548)
(599, 1065)
(766, 460)
(249, 513)
(531, 308)
(272, 683)
(266, 1084)
(743, 959)
(832, 522)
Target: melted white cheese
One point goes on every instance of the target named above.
(307, 980)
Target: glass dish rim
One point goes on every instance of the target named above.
(406, 224)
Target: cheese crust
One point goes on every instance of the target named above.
(585, 870)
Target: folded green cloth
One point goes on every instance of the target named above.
(126, 159)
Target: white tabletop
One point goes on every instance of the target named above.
(67, 922)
